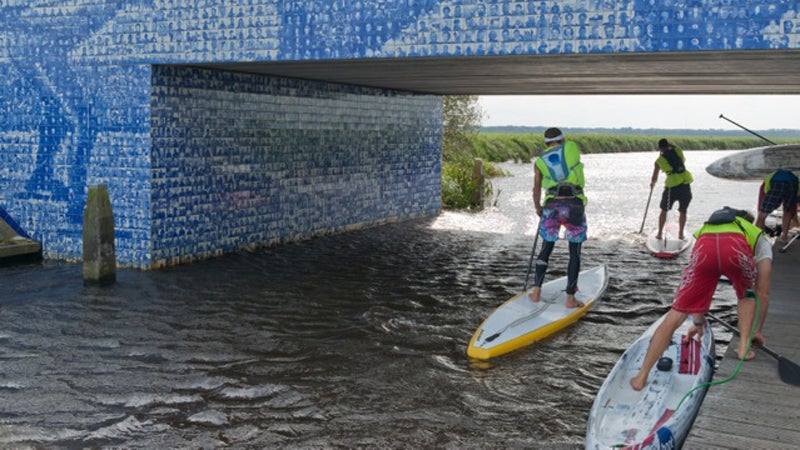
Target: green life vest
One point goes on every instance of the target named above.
(737, 225)
(562, 169)
(676, 172)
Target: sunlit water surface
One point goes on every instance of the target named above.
(354, 340)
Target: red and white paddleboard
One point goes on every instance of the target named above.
(669, 246)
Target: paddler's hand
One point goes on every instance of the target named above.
(697, 329)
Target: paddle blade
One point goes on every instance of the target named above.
(788, 371)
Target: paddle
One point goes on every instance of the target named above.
(788, 371)
(646, 208)
(745, 129)
(786, 247)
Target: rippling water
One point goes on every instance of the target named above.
(350, 341)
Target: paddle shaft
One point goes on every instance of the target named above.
(786, 247)
(736, 332)
(647, 207)
(745, 129)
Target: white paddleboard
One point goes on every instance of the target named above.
(669, 246)
(520, 322)
(623, 418)
(756, 163)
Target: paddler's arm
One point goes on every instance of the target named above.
(654, 178)
(537, 191)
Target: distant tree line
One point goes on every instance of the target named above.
(781, 133)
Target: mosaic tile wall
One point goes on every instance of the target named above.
(240, 160)
(75, 100)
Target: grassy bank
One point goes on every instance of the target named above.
(501, 147)
(458, 186)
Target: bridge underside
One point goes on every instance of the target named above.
(725, 72)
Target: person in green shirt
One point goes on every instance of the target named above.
(558, 177)
(676, 186)
(727, 244)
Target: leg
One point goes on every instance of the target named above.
(573, 269)
(684, 196)
(747, 309)
(541, 268)
(787, 224)
(665, 205)
(761, 220)
(658, 344)
(681, 224)
(764, 272)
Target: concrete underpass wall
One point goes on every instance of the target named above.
(243, 160)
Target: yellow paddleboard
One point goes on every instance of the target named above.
(519, 321)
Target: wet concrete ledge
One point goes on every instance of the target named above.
(756, 409)
(15, 248)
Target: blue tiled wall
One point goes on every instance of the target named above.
(75, 105)
(241, 159)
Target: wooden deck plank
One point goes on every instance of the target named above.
(756, 409)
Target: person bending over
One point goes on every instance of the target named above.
(726, 245)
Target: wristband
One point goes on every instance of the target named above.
(700, 324)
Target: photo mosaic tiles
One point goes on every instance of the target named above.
(93, 92)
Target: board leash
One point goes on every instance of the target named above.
(738, 366)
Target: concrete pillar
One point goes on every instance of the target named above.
(99, 260)
(479, 180)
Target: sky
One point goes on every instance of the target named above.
(754, 112)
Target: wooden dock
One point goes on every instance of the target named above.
(756, 410)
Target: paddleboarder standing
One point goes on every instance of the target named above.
(558, 172)
(676, 186)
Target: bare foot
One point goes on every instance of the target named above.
(535, 294)
(658, 237)
(681, 237)
(573, 303)
(750, 355)
(637, 383)
(759, 339)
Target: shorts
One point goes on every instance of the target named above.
(780, 193)
(714, 255)
(569, 213)
(681, 193)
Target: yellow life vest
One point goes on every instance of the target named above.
(561, 167)
(674, 178)
(739, 225)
